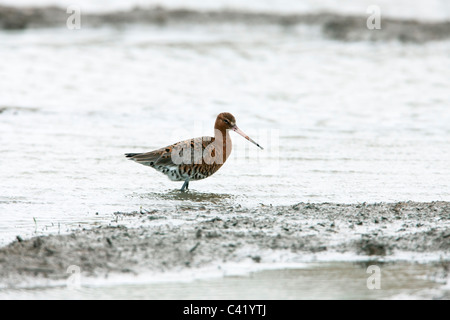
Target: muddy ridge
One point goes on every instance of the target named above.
(232, 235)
(333, 26)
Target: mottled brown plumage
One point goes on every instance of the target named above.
(193, 159)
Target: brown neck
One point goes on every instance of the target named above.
(223, 140)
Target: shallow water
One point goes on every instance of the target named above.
(337, 280)
(340, 122)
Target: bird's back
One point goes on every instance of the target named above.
(193, 159)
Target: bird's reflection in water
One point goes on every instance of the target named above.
(191, 195)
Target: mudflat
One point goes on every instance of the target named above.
(217, 236)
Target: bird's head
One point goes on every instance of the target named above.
(226, 121)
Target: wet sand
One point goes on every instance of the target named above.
(411, 231)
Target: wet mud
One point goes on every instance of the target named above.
(214, 236)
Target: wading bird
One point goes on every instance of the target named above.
(194, 159)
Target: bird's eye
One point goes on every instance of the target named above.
(226, 121)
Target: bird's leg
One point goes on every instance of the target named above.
(185, 185)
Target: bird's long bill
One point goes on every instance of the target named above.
(236, 129)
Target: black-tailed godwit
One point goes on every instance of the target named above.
(194, 159)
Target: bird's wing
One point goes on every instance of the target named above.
(183, 152)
